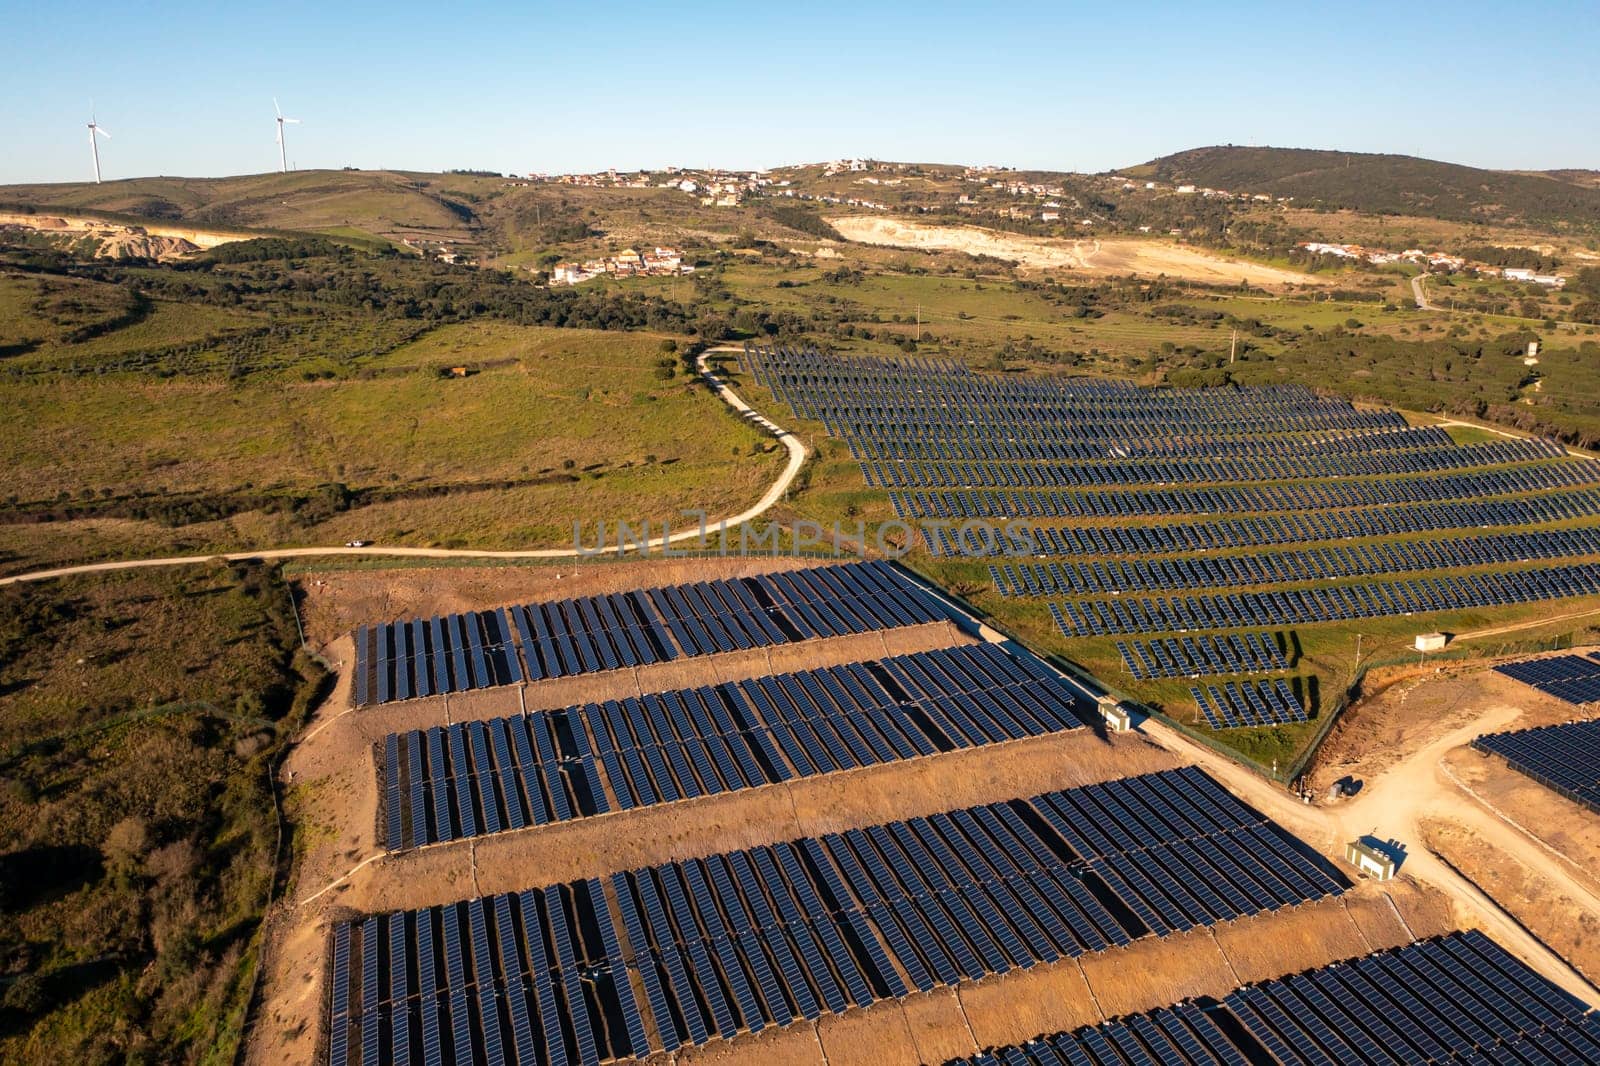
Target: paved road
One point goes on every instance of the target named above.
(797, 458)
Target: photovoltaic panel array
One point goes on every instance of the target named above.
(1309, 564)
(1242, 704)
(464, 780)
(1095, 471)
(736, 942)
(1459, 999)
(1252, 531)
(1311, 496)
(1562, 757)
(1572, 678)
(1237, 653)
(587, 634)
(1328, 603)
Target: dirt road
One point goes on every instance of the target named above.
(797, 459)
(1421, 296)
(1391, 806)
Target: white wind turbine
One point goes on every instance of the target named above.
(95, 130)
(283, 155)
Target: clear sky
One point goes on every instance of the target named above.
(187, 88)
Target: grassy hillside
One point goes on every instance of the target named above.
(1384, 184)
(365, 202)
(241, 404)
(141, 715)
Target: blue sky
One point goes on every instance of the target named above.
(187, 88)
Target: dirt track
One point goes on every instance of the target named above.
(1401, 759)
(1146, 257)
(690, 537)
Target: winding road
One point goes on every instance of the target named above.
(797, 459)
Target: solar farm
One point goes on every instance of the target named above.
(1455, 999)
(468, 779)
(734, 942)
(1181, 543)
(782, 811)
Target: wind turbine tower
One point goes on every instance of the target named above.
(283, 154)
(96, 130)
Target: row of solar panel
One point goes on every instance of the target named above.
(1018, 442)
(1258, 531)
(530, 977)
(1232, 653)
(1572, 678)
(838, 392)
(971, 472)
(1563, 757)
(1310, 564)
(1455, 999)
(738, 941)
(1244, 704)
(463, 780)
(949, 400)
(484, 777)
(422, 657)
(1138, 614)
(1225, 500)
(952, 415)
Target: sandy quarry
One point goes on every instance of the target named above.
(117, 241)
(1093, 256)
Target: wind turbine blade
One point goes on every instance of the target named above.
(292, 121)
(275, 106)
(102, 131)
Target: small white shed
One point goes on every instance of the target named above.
(1431, 641)
(1115, 714)
(1369, 860)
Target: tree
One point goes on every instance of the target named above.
(125, 844)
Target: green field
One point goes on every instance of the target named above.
(337, 441)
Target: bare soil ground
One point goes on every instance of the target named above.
(339, 599)
(1567, 829)
(1408, 709)
(117, 241)
(626, 840)
(936, 1026)
(1569, 925)
(1112, 256)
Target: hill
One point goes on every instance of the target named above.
(482, 217)
(355, 203)
(1384, 184)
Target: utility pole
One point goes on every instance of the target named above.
(919, 322)
(1233, 347)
